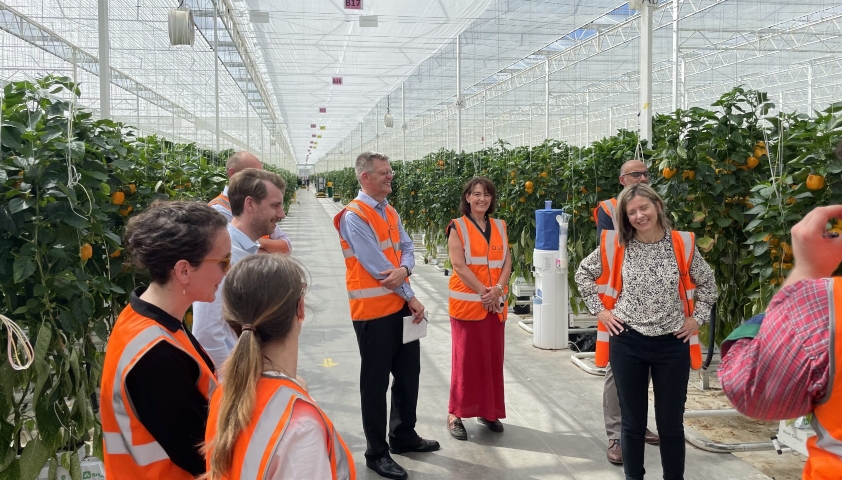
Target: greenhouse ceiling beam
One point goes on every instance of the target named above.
(234, 42)
(30, 31)
(619, 34)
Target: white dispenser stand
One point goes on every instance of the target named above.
(551, 304)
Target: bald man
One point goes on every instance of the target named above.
(278, 241)
(631, 173)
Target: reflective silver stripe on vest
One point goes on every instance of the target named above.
(609, 205)
(689, 246)
(347, 253)
(607, 290)
(825, 440)
(466, 240)
(602, 336)
(120, 443)
(368, 293)
(263, 430)
(468, 297)
(266, 425)
(832, 350)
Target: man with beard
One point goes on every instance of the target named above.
(257, 205)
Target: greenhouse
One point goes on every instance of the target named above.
(483, 170)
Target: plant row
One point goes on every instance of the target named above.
(69, 184)
(735, 175)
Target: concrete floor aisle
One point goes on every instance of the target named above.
(554, 428)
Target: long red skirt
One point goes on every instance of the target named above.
(476, 377)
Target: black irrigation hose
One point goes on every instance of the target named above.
(712, 338)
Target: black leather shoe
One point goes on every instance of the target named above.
(386, 467)
(421, 446)
(494, 426)
(457, 429)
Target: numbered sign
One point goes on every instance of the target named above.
(337, 80)
(312, 125)
(322, 127)
(353, 4)
(314, 135)
(318, 136)
(322, 109)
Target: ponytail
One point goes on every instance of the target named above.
(242, 372)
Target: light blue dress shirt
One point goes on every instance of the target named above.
(215, 336)
(366, 246)
(278, 234)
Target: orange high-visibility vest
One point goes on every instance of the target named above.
(274, 404)
(369, 299)
(608, 206)
(486, 260)
(610, 283)
(130, 451)
(825, 449)
(222, 201)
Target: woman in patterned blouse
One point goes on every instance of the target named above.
(648, 327)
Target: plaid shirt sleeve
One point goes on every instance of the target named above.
(783, 372)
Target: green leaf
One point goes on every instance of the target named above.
(698, 216)
(760, 248)
(18, 204)
(35, 454)
(42, 367)
(122, 164)
(723, 221)
(23, 267)
(77, 149)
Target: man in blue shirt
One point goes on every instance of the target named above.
(257, 205)
(380, 298)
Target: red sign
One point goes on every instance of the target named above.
(314, 135)
(337, 80)
(353, 4)
(322, 109)
(312, 125)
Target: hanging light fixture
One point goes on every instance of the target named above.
(388, 119)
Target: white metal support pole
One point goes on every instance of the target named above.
(484, 119)
(361, 137)
(547, 102)
(646, 72)
(216, 67)
(248, 130)
(810, 89)
(587, 117)
(403, 120)
(674, 55)
(377, 127)
(104, 60)
(458, 94)
(683, 84)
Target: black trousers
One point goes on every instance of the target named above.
(633, 357)
(382, 352)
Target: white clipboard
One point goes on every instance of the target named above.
(413, 331)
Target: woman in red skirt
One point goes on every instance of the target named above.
(482, 265)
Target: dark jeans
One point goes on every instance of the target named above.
(382, 352)
(633, 357)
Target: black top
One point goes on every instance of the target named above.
(162, 389)
(485, 233)
(603, 222)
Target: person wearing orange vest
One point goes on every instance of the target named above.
(648, 285)
(262, 422)
(632, 172)
(156, 378)
(379, 259)
(788, 362)
(479, 251)
(277, 241)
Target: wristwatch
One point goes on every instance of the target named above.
(408, 271)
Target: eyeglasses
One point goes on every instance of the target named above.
(224, 263)
(479, 195)
(637, 175)
(387, 173)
